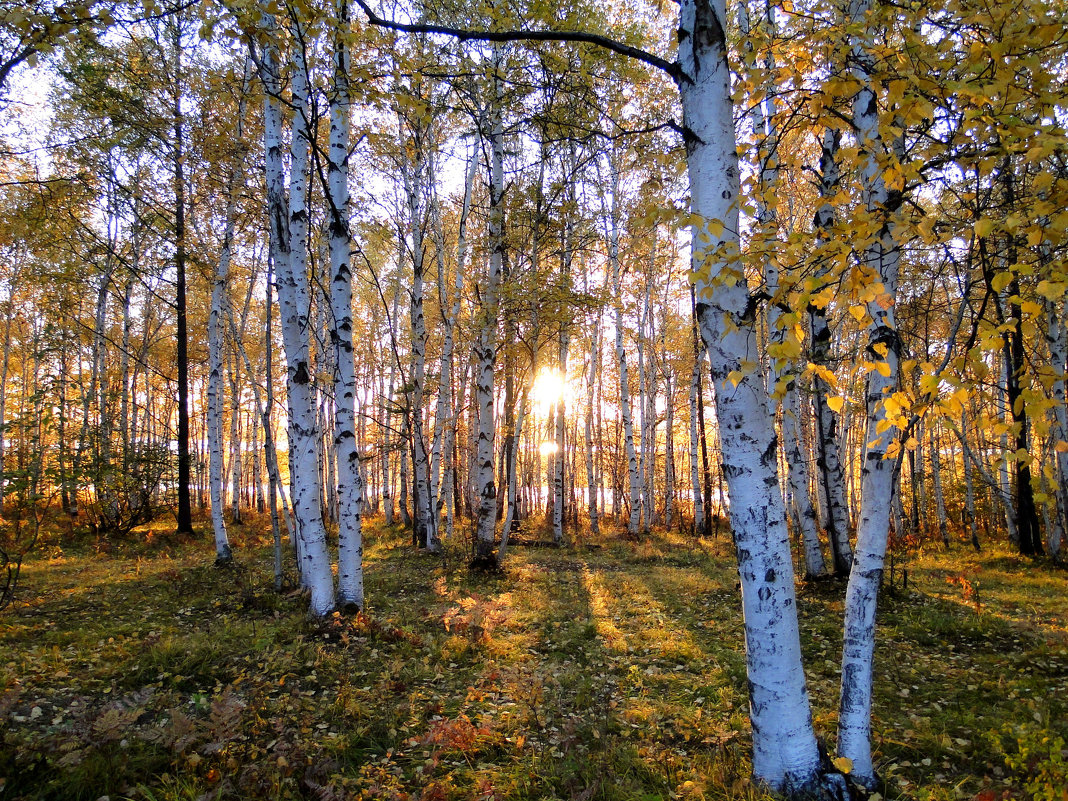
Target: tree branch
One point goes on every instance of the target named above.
(464, 34)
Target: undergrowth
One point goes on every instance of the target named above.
(613, 670)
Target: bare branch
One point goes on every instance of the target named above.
(464, 35)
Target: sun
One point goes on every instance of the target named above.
(549, 387)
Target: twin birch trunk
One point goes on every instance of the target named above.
(288, 228)
(832, 481)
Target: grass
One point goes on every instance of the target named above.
(608, 672)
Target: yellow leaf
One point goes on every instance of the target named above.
(735, 377)
(1052, 290)
(1061, 447)
(883, 369)
(843, 764)
(858, 313)
(1000, 281)
(823, 373)
(836, 404)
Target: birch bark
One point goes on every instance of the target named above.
(880, 261)
(785, 755)
(936, 483)
(1057, 339)
(448, 364)
(414, 173)
(349, 477)
(591, 384)
(782, 379)
(223, 553)
(288, 228)
(695, 467)
(486, 346)
(614, 223)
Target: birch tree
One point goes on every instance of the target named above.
(216, 342)
(350, 490)
(785, 755)
(881, 257)
(287, 214)
(486, 347)
(785, 340)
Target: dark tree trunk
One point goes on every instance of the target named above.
(185, 515)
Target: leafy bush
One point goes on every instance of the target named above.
(124, 495)
(1039, 757)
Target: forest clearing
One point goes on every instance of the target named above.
(610, 670)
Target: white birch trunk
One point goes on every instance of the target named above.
(591, 382)
(647, 404)
(970, 521)
(1004, 497)
(513, 478)
(264, 411)
(288, 225)
(782, 379)
(389, 404)
(445, 418)
(562, 352)
(621, 353)
(223, 553)
(669, 451)
(936, 482)
(235, 444)
(785, 755)
(5, 365)
(559, 456)
(695, 443)
(423, 509)
(486, 346)
(1004, 481)
(880, 261)
(349, 477)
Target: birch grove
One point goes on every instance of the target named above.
(546, 283)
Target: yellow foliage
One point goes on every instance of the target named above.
(843, 764)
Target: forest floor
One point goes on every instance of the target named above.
(610, 670)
